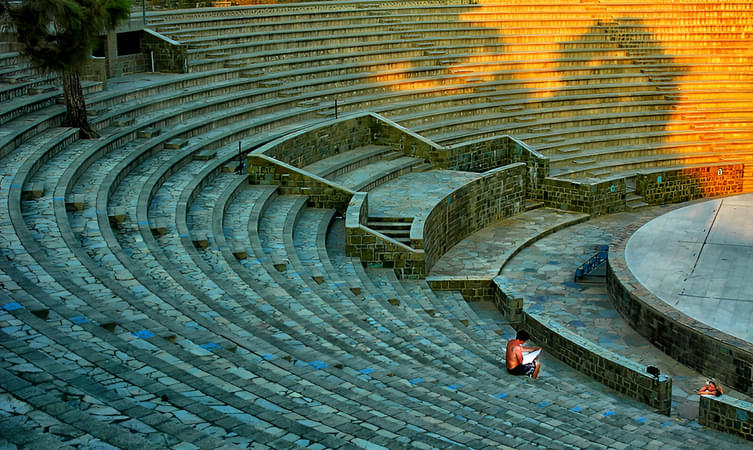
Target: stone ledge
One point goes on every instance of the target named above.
(727, 414)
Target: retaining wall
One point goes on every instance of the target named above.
(610, 369)
(727, 414)
(658, 187)
(698, 346)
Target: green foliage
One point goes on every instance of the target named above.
(58, 35)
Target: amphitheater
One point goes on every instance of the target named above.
(317, 224)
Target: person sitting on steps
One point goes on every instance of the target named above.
(514, 357)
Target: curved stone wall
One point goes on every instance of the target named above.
(705, 349)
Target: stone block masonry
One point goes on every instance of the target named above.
(609, 369)
(709, 351)
(727, 414)
(597, 198)
(308, 146)
(169, 55)
(497, 194)
(292, 181)
(659, 187)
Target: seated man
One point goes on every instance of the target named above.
(514, 356)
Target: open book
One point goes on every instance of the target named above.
(529, 357)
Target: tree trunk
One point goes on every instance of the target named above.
(75, 106)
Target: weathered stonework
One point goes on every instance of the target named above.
(472, 289)
(308, 146)
(508, 301)
(292, 181)
(379, 251)
(606, 367)
(602, 197)
(727, 414)
(678, 185)
(169, 55)
(497, 194)
(709, 351)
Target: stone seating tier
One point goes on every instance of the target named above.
(187, 339)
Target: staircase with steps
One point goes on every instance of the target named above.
(397, 228)
(241, 322)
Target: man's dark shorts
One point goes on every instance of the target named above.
(523, 369)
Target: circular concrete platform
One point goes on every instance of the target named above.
(699, 259)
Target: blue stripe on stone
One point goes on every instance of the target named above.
(316, 364)
(12, 306)
(143, 334)
(640, 419)
(543, 404)
(58, 199)
(184, 235)
(367, 371)
(576, 409)
(78, 320)
(500, 395)
(210, 346)
(454, 387)
(610, 413)
(143, 222)
(415, 381)
(268, 356)
(16, 186)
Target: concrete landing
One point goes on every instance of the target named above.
(698, 259)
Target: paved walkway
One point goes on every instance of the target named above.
(698, 260)
(544, 271)
(415, 194)
(482, 254)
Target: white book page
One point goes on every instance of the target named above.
(528, 357)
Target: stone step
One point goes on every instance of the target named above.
(176, 143)
(148, 133)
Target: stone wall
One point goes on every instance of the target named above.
(292, 181)
(607, 368)
(508, 301)
(597, 198)
(727, 414)
(169, 55)
(472, 289)
(709, 351)
(95, 70)
(486, 154)
(308, 146)
(375, 249)
(659, 187)
(496, 194)
(610, 369)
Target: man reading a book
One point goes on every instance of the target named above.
(522, 360)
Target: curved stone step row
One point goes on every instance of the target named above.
(122, 406)
(153, 327)
(310, 235)
(94, 344)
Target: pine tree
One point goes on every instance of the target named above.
(58, 36)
